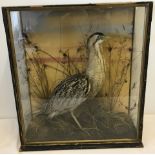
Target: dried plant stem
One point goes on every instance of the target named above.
(38, 70)
(52, 58)
(41, 76)
(110, 97)
(33, 82)
(124, 73)
(57, 70)
(46, 85)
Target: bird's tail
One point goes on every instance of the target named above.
(40, 110)
(37, 113)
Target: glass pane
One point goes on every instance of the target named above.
(21, 68)
(137, 57)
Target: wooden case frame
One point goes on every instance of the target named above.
(87, 144)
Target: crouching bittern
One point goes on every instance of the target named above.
(74, 90)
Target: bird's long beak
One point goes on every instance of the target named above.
(103, 38)
(106, 37)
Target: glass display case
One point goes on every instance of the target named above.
(79, 73)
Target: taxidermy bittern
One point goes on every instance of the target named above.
(74, 90)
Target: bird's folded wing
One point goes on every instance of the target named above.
(74, 89)
(75, 85)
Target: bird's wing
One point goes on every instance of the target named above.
(69, 91)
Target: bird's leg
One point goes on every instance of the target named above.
(77, 122)
(75, 119)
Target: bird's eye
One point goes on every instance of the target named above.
(98, 38)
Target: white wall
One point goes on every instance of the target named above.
(7, 103)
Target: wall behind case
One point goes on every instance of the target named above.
(7, 103)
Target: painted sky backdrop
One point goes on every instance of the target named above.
(66, 26)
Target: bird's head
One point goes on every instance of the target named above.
(95, 38)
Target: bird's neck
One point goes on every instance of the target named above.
(95, 68)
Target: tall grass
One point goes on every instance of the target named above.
(117, 63)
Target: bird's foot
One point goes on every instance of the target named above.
(78, 124)
(85, 130)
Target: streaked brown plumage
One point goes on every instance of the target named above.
(74, 90)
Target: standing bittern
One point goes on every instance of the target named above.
(74, 90)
